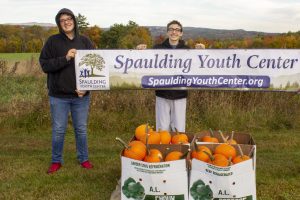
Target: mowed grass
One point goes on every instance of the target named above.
(25, 157)
(25, 144)
(278, 164)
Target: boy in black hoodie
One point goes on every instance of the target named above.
(57, 61)
(170, 106)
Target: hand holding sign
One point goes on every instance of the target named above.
(80, 93)
(141, 46)
(71, 54)
(199, 46)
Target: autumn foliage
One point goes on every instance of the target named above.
(29, 39)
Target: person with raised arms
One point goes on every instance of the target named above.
(170, 106)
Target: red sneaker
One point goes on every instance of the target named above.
(53, 168)
(86, 165)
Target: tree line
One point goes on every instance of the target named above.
(290, 40)
(23, 39)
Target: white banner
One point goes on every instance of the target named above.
(232, 69)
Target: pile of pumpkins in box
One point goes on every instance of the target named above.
(224, 154)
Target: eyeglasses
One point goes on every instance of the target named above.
(65, 20)
(174, 30)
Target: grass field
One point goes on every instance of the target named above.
(25, 157)
(18, 56)
(25, 145)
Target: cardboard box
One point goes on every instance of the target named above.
(239, 137)
(232, 182)
(164, 180)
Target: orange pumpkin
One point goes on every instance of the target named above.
(201, 153)
(174, 155)
(140, 131)
(231, 140)
(154, 155)
(135, 149)
(240, 158)
(219, 160)
(226, 149)
(180, 138)
(210, 139)
(153, 138)
(165, 137)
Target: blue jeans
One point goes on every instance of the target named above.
(60, 108)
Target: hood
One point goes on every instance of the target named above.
(69, 12)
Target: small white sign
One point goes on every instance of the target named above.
(92, 72)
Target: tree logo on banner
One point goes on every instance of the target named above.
(94, 61)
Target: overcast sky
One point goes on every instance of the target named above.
(250, 15)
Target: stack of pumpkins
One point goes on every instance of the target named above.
(139, 147)
(224, 154)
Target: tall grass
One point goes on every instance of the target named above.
(206, 109)
(18, 56)
(26, 98)
(244, 110)
(25, 145)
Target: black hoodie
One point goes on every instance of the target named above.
(61, 80)
(171, 94)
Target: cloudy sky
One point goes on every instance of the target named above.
(250, 15)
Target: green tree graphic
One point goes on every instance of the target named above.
(94, 61)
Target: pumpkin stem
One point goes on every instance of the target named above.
(240, 150)
(232, 134)
(160, 158)
(177, 133)
(147, 136)
(185, 154)
(122, 142)
(166, 152)
(251, 152)
(195, 145)
(229, 161)
(211, 157)
(211, 132)
(223, 138)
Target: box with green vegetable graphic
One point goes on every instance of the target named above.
(152, 181)
(234, 180)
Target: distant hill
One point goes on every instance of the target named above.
(281, 81)
(196, 32)
(189, 32)
(32, 24)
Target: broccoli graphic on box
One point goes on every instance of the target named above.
(133, 189)
(200, 191)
